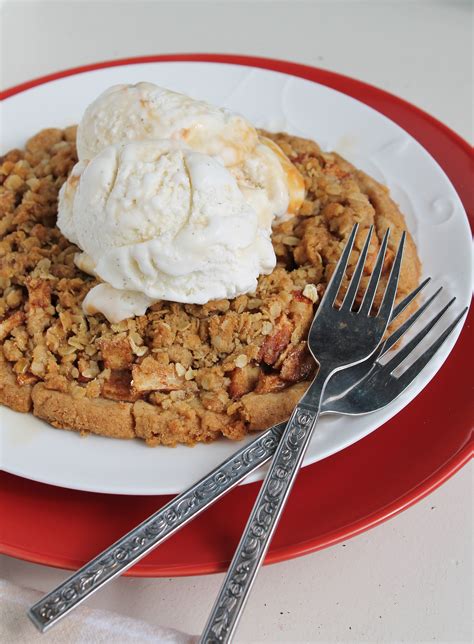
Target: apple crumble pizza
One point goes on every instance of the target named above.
(179, 373)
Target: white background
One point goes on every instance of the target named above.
(409, 579)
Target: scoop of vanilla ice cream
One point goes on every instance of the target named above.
(116, 305)
(157, 220)
(145, 111)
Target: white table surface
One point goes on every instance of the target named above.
(410, 579)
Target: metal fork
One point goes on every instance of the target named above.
(379, 385)
(182, 509)
(337, 338)
(141, 540)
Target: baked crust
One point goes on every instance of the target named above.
(264, 410)
(180, 373)
(12, 394)
(99, 416)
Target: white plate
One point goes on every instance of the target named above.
(434, 213)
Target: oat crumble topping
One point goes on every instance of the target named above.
(180, 373)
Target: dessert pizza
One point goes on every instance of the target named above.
(174, 372)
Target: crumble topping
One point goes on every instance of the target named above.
(181, 373)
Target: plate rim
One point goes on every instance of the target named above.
(328, 78)
(334, 80)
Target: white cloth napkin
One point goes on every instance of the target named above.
(82, 626)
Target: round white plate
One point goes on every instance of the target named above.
(434, 214)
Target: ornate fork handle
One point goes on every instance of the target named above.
(125, 552)
(264, 517)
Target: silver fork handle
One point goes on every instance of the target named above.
(132, 547)
(262, 523)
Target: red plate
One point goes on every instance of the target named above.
(334, 499)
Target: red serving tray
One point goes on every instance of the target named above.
(357, 488)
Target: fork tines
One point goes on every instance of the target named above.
(386, 307)
(406, 351)
(403, 328)
(421, 362)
